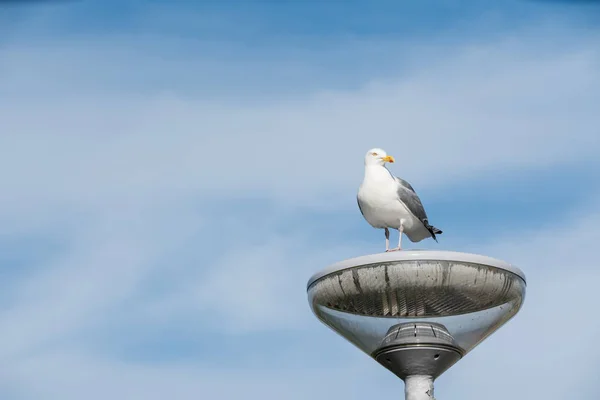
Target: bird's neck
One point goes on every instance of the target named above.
(377, 173)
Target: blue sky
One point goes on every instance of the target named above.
(172, 173)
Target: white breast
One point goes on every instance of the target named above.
(379, 202)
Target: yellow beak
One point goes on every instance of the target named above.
(389, 159)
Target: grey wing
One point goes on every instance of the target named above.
(409, 197)
(407, 185)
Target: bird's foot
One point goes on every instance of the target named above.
(396, 249)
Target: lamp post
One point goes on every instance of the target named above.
(417, 312)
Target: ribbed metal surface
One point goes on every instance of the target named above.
(416, 289)
(417, 333)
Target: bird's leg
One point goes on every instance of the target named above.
(400, 232)
(387, 239)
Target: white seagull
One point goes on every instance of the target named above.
(387, 202)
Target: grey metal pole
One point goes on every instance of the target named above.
(418, 387)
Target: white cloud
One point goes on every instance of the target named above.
(123, 178)
(66, 377)
(250, 288)
(477, 110)
(524, 354)
(534, 354)
(103, 265)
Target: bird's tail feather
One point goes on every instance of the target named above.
(433, 230)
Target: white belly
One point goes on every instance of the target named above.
(382, 209)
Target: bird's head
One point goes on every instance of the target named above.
(377, 157)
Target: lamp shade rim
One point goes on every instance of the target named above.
(416, 255)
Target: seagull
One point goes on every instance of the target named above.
(386, 201)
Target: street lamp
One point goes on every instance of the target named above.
(417, 312)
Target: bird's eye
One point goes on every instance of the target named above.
(373, 154)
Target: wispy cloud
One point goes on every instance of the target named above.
(484, 109)
(524, 352)
(176, 211)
